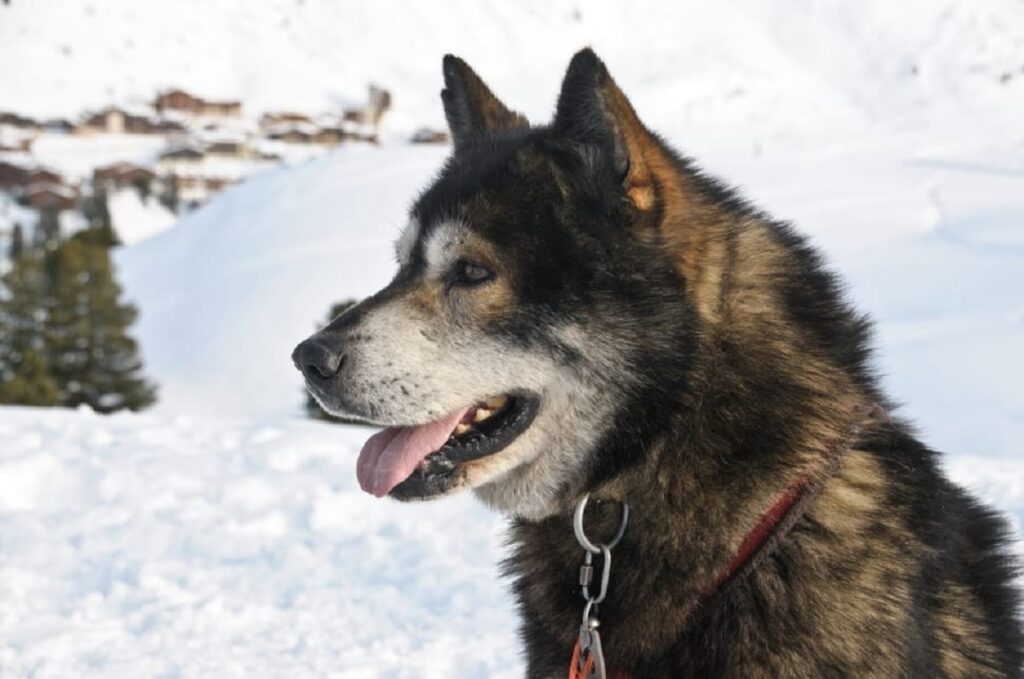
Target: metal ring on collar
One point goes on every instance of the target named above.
(581, 537)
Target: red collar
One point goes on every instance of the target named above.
(789, 507)
(776, 522)
(769, 531)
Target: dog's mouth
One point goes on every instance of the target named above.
(424, 461)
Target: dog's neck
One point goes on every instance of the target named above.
(692, 514)
(764, 410)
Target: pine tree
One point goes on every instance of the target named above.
(144, 189)
(17, 243)
(47, 233)
(101, 226)
(313, 408)
(92, 357)
(170, 197)
(25, 377)
(30, 382)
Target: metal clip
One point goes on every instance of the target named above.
(606, 571)
(590, 647)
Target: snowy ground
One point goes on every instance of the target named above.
(221, 535)
(136, 218)
(138, 546)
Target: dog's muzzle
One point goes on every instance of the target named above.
(317, 360)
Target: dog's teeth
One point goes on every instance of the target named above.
(461, 428)
(482, 414)
(496, 402)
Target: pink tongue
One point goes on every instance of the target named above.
(390, 456)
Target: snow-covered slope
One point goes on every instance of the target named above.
(137, 218)
(693, 64)
(75, 157)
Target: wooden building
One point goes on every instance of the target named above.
(120, 175)
(12, 176)
(41, 175)
(114, 120)
(426, 135)
(270, 120)
(42, 195)
(180, 101)
(19, 121)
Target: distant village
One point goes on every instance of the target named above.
(201, 147)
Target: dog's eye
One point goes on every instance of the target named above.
(467, 273)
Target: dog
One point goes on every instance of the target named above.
(579, 312)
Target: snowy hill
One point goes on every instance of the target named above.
(691, 64)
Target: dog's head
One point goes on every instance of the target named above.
(533, 309)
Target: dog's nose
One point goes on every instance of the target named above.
(316, 360)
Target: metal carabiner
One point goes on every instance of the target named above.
(606, 571)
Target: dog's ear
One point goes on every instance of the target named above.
(471, 108)
(593, 110)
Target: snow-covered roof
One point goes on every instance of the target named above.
(133, 108)
(10, 134)
(220, 135)
(121, 168)
(18, 158)
(50, 187)
(184, 147)
(290, 127)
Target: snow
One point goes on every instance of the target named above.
(138, 546)
(818, 63)
(12, 213)
(136, 219)
(75, 156)
(223, 535)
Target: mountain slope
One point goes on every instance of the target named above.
(692, 65)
